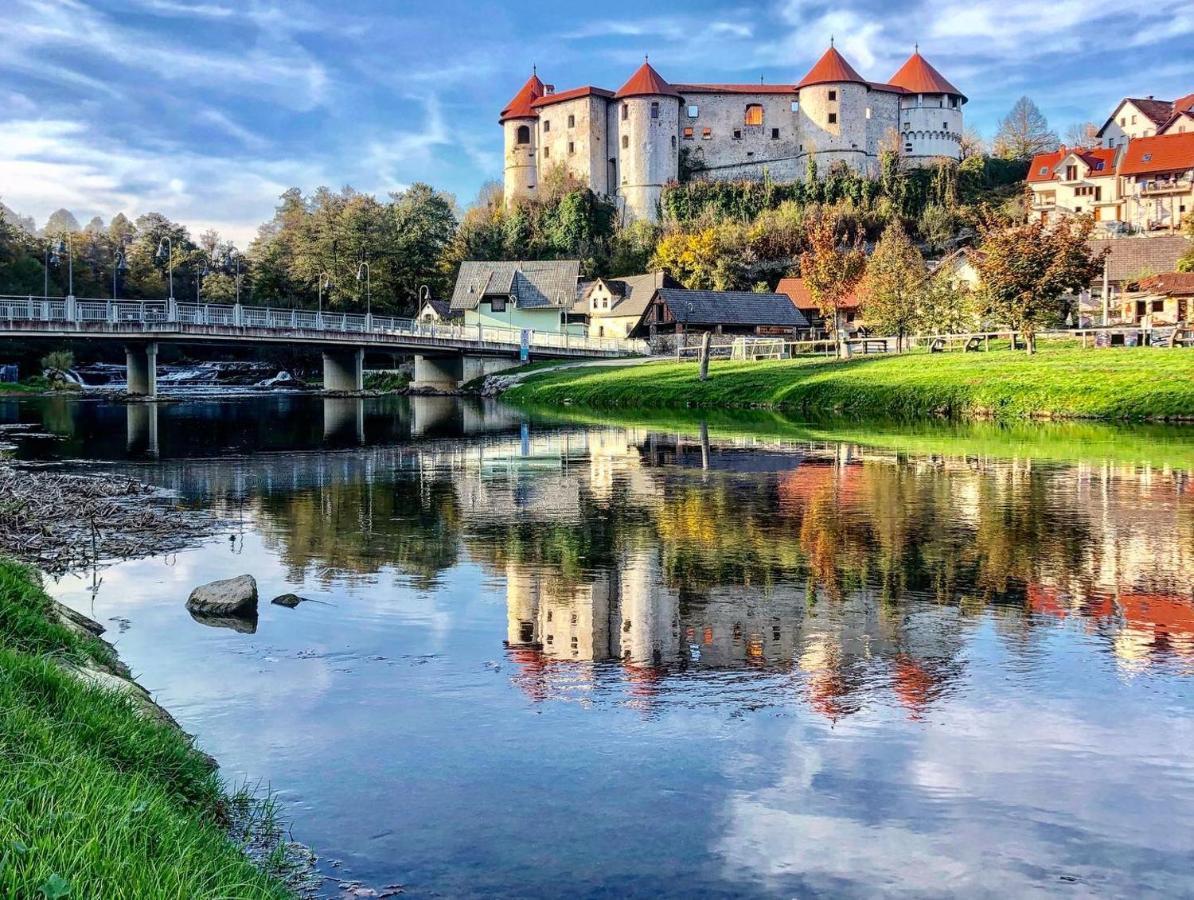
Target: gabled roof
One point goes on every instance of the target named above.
(529, 284)
(742, 308)
(917, 76)
(441, 308)
(646, 82)
(635, 293)
(1160, 153)
(1157, 111)
(1186, 118)
(1169, 283)
(573, 94)
(521, 106)
(1130, 256)
(831, 68)
(800, 297)
(1100, 162)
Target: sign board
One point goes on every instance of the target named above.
(1102, 338)
(524, 349)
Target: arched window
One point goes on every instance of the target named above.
(523, 135)
(754, 114)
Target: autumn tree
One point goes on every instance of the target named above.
(831, 266)
(895, 275)
(1082, 134)
(1026, 269)
(1024, 132)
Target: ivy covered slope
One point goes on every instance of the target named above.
(1063, 383)
(98, 799)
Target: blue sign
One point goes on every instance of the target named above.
(524, 351)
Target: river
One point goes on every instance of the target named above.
(597, 658)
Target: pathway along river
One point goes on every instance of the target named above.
(602, 660)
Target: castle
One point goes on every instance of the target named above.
(627, 144)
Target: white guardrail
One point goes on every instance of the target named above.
(162, 312)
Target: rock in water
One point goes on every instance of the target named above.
(230, 597)
(290, 601)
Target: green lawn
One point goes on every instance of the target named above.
(96, 799)
(1064, 383)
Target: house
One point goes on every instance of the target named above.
(1182, 119)
(1163, 299)
(674, 310)
(849, 309)
(436, 311)
(1131, 258)
(961, 268)
(1157, 181)
(1135, 117)
(534, 294)
(1074, 181)
(613, 307)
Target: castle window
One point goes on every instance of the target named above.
(688, 133)
(572, 121)
(546, 125)
(523, 135)
(945, 126)
(833, 95)
(775, 134)
(907, 148)
(625, 112)
(673, 142)
(795, 106)
(868, 112)
(754, 114)
(654, 110)
(571, 148)
(706, 134)
(737, 134)
(693, 112)
(833, 118)
(625, 142)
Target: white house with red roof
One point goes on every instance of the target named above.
(627, 144)
(1156, 179)
(1075, 181)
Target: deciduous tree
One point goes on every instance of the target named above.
(831, 266)
(894, 279)
(1024, 132)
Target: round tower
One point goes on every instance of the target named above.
(520, 126)
(930, 112)
(646, 116)
(835, 108)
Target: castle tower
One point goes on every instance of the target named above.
(519, 121)
(930, 113)
(646, 118)
(836, 105)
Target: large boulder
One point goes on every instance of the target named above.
(229, 597)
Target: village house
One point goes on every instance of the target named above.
(1073, 180)
(536, 295)
(677, 311)
(1161, 300)
(613, 307)
(849, 309)
(435, 312)
(1157, 181)
(960, 268)
(627, 144)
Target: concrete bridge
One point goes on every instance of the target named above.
(446, 354)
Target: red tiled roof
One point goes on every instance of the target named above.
(799, 294)
(646, 82)
(735, 88)
(831, 68)
(918, 77)
(1184, 104)
(1100, 161)
(1162, 153)
(1180, 283)
(522, 106)
(586, 91)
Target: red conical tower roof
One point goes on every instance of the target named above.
(646, 82)
(520, 106)
(831, 68)
(918, 77)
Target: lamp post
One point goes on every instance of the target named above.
(68, 247)
(200, 273)
(119, 267)
(363, 275)
(232, 261)
(51, 258)
(325, 281)
(166, 252)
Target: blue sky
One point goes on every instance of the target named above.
(206, 110)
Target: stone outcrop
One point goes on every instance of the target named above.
(235, 597)
(290, 601)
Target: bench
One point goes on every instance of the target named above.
(938, 345)
(974, 345)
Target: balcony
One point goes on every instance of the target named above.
(1166, 186)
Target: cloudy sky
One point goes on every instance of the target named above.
(206, 110)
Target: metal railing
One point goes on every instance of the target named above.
(152, 313)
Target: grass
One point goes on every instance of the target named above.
(387, 382)
(37, 384)
(1059, 383)
(97, 799)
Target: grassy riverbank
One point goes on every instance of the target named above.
(98, 799)
(1062, 383)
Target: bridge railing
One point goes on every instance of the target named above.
(78, 311)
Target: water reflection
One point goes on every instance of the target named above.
(710, 664)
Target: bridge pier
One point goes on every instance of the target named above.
(448, 373)
(141, 361)
(344, 370)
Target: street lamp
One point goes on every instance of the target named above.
(231, 260)
(166, 253)
(363, 275)
(202, 272)
(51, 259)
(119, 267)
(68, 247)
(325, 281)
